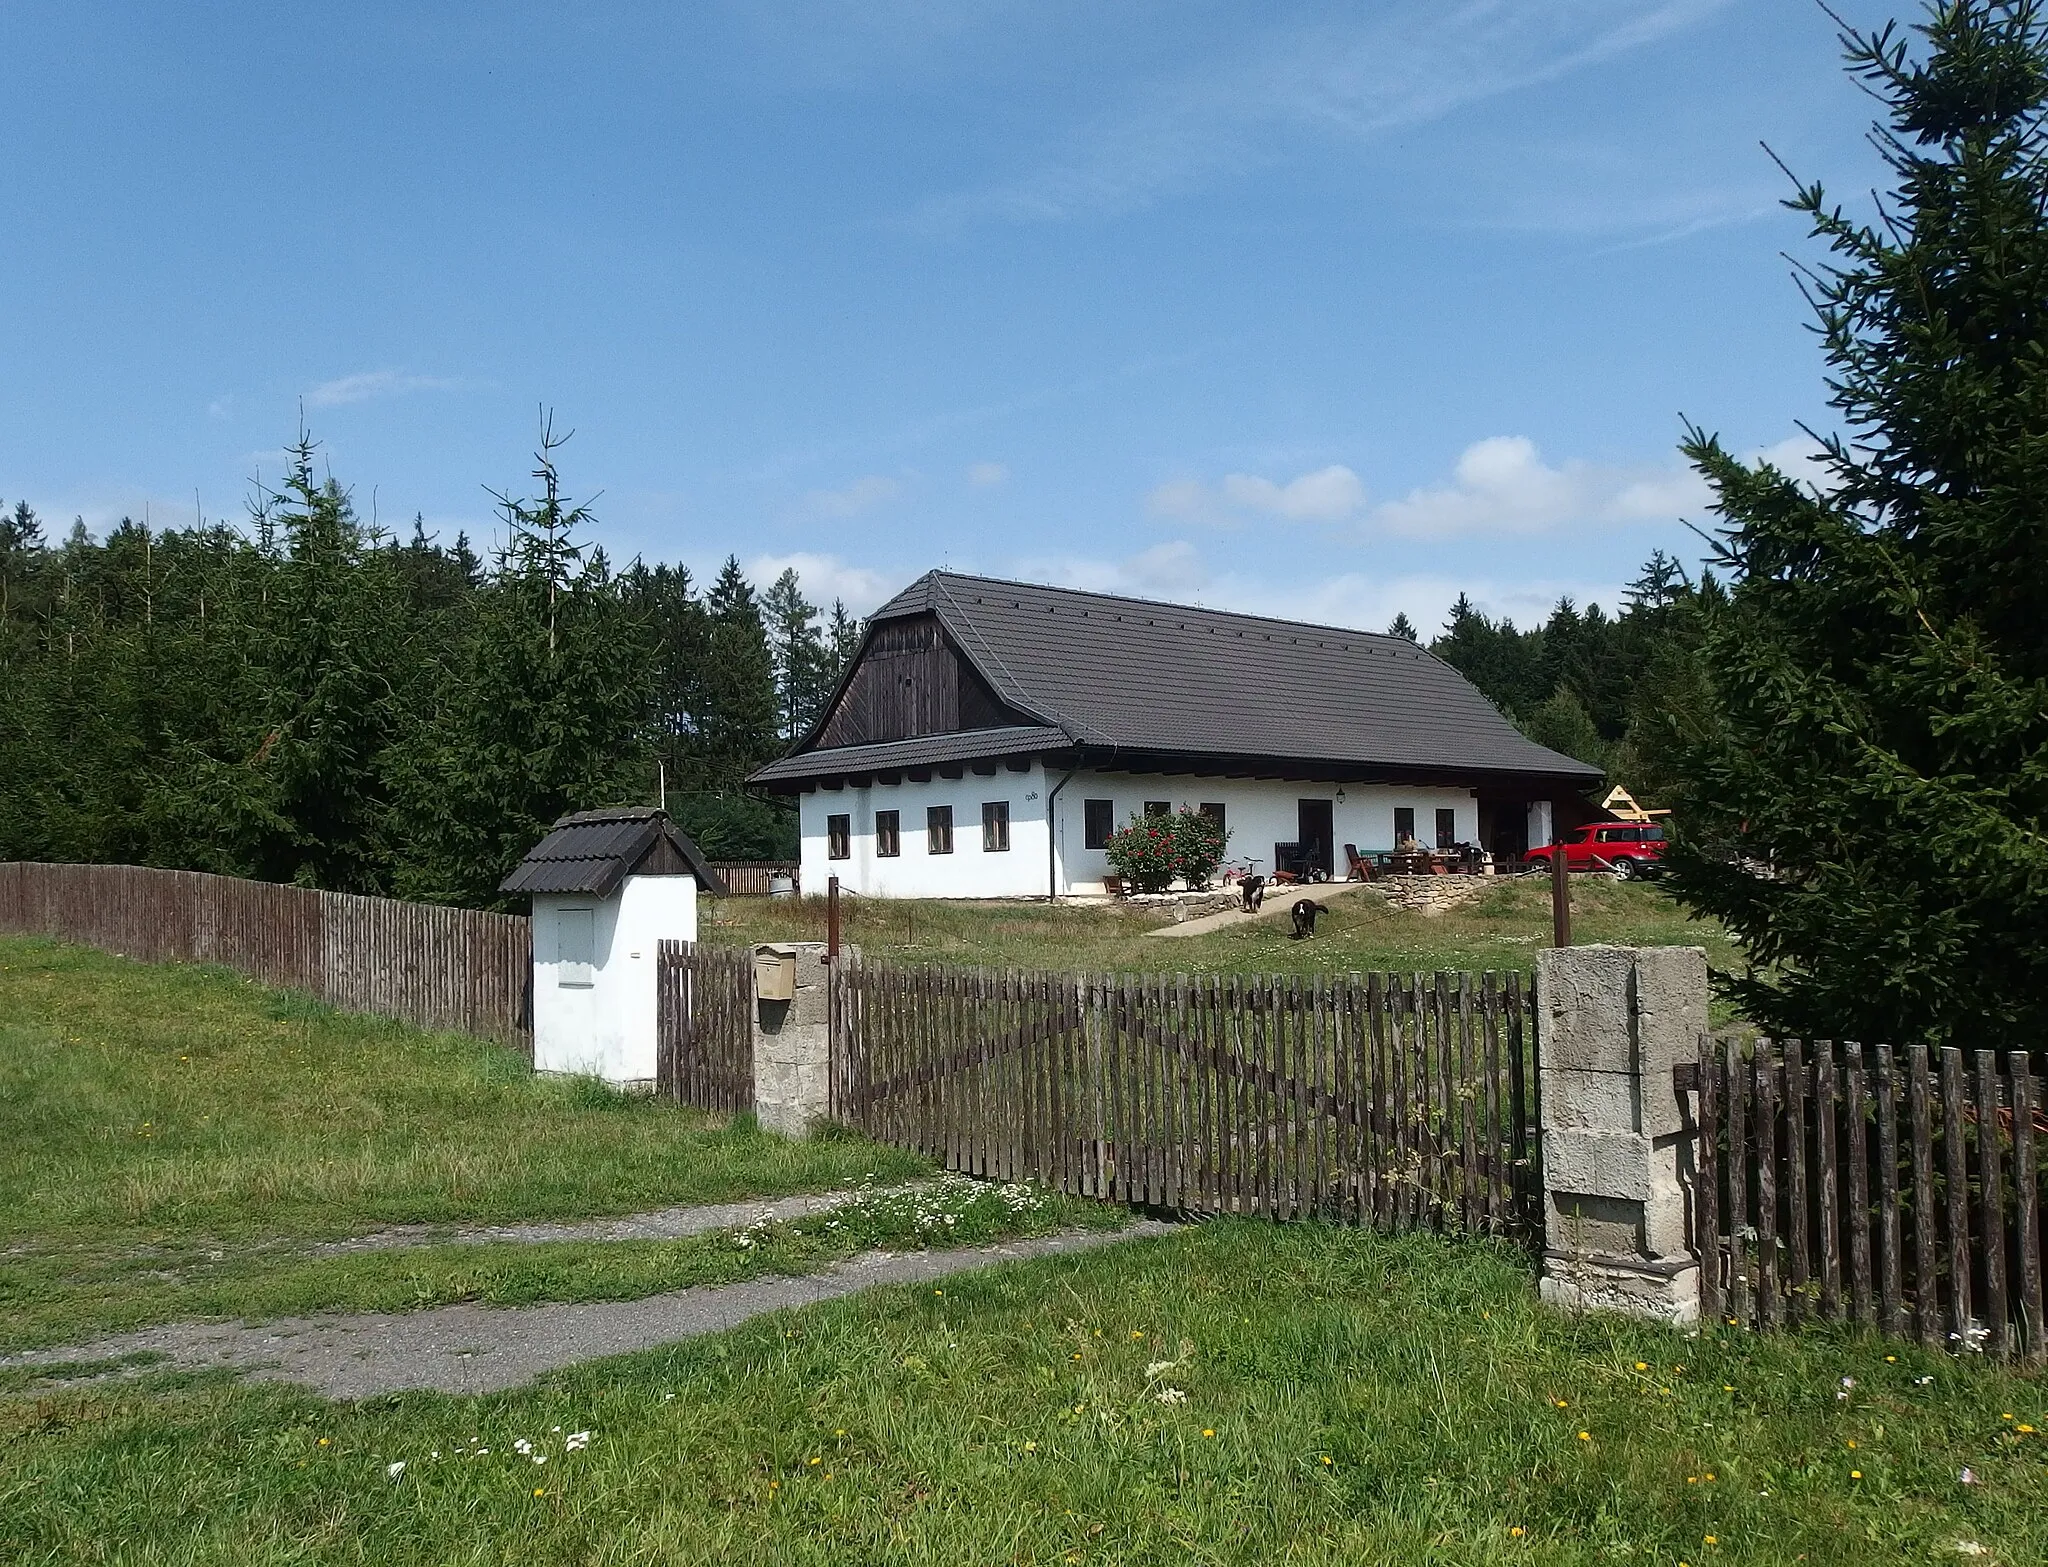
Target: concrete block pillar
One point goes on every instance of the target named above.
(793, 1041)
(1617, 1150)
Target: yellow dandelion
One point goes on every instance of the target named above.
(2026, 1428)
(1137, 1333)
(1855, 1474)
(1642, 1365)
(323, 1441)
(1207, 1432)
(1585, 1436)
(1852, 1441)
(540, 1490)
(1329, 1460)
(1712, 1540)
(1516, 1532)
(813, 1460)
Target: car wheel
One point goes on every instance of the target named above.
(1624, 870)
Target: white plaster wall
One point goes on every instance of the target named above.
(968, 872)
(1257, 812)
(607, 1027)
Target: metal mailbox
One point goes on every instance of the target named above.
(774, 974)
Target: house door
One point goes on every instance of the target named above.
(1314, 833)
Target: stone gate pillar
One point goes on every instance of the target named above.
(1616, 1150)
(792, 1036)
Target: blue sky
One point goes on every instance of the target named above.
(1320, 309)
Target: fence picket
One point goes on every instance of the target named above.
(1991, 1184)
(2027, 1200)
(1956, 1170)
(1858, 1102)
(1926, 1257)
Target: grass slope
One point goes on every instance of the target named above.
(1502, 929)
(1242, 1393)
(166, 1130)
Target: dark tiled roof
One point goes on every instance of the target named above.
(1171, 678)
(972, 745)
(591, 852)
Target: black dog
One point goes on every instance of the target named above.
(1253, 890)
(1305, 912)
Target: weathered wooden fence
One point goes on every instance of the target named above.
(434, 967)
(704, 1054)
(1393, 1100)
(750, 878)
(1902, 1189)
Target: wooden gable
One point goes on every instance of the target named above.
(911, 680)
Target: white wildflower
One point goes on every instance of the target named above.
(1171, 1395)
(1160, 1367)
(393, 1471)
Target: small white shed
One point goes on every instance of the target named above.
(606, 887)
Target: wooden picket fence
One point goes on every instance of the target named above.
(750, 878)
(1385, 1099)
(1902, 1189)
(704, 1053)
(435, 967)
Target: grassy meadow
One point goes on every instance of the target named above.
(1240, 1392)
(1501, 929)
(171, 1137)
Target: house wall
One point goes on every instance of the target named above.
(968, 872)
(606, 1026)
(1258, 813)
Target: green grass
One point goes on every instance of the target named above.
(1348, 1399)
(170, 1137)
(1501, 929)
(61, 1298)
(189, 1102)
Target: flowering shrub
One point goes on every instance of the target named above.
(1151, 853)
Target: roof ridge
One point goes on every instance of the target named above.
(941, 577)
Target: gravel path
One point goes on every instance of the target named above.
(483, 1349)
(663, 1224)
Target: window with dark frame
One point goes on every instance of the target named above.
(1213, 809)
(1158, 807)
(839, 837)
(888, 834)
(938, 829)
(1098, 823)
(995, 827)
(1404, 825)
(1447, 829)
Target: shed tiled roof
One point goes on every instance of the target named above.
(1164, 679)
(591, 852)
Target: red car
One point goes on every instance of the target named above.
(1624, 848)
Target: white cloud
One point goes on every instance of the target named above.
(863, 494)
(1503, 485)
(825, 578)
(1330, 494)
(1798, 458)
(1397, 64)
(368, 384)
(1173, 569)
(1365, 601)
(985, 475)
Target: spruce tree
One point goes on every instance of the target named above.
(1865, 797)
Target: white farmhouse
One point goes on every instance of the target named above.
(606, 887)
(989, 736)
